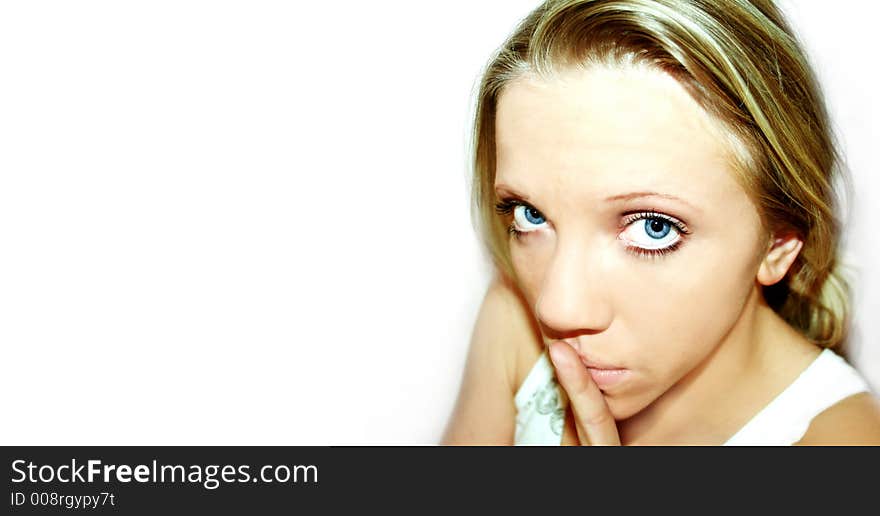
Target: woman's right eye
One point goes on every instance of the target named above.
(526, 219)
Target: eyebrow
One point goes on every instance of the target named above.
(635, 195)
(499, 188)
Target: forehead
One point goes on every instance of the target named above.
(612, 129)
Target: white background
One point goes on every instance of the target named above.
(248, 222)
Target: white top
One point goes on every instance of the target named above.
(540, 404)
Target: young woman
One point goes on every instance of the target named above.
(653, 179)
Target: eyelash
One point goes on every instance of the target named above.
(506, 207)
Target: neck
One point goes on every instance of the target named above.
(755, 361)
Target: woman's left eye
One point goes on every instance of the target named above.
(653, 232)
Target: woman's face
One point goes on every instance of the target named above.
(636, 244)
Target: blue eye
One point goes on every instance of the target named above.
(653, 232)
(525, 218)
(656, 228)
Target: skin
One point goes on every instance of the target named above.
(703, 351)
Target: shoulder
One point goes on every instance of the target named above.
(484, 411)
(854, 420)
(514, 317)
(506, 321)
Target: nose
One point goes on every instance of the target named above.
(574, 298)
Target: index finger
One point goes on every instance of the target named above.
(594, 421)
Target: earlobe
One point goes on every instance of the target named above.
(779, 258)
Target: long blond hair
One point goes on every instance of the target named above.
(740, 60)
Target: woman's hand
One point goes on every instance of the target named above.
(594, 422)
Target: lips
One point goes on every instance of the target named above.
(607, 378)
(590, 363)
(604, 374)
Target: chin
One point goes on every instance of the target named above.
(624, 407)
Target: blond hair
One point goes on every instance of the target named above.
(740, 60)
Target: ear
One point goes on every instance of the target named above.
(781, 253)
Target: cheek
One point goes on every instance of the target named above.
(678, 309)
(673, 315)
(530, 261)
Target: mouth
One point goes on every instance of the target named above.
(590, 363)
(608, 378)
(605, 375)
